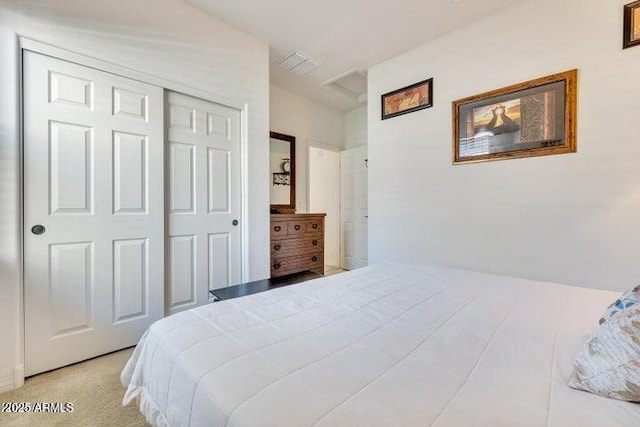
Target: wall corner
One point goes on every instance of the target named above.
(12, 379)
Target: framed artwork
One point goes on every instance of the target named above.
(631, 35)
(534, 118)
(408, 99)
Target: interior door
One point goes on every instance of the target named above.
(354, 208)
(93, 211)
(204, 200)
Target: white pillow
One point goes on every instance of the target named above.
(626, 300)
(609, 364)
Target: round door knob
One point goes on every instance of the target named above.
(277, 228)
(314, 242)
(314, 226)
(234, 222)
(314, 258)
(297, 227)
(276, 247)
(38, 229)
(276, 266)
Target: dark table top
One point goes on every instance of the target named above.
(250, 288)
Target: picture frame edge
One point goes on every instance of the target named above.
(627, 41)
(428, 81)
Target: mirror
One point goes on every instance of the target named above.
(282, 172)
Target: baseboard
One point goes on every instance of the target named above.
(13, 380)
(18, 375)
(7, 383)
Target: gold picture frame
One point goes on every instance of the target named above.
(534, 118)
(631, 36)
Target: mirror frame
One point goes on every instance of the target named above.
(291, 207)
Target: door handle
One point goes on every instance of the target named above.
(234, 222)
(38, 229)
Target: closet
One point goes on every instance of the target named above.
(132, 204)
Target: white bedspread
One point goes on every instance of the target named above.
(387, 345)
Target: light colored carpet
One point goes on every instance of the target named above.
(93, 387)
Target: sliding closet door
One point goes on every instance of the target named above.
(204, 200)
(93, 211)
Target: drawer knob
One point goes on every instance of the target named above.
(314, 226)
(277, 228)
(297, 227)
(315, 242)
(276, 266)
(277, 247)
(314, 258)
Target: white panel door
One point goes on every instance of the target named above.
(324, 197)
(93, 211)
(204, 200)
(354, 208)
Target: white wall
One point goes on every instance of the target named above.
(165, 38)
(355, 128)
(10, 295)
(571, 218)
(312, 123)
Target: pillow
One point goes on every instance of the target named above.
(626, 300)
(609, 364)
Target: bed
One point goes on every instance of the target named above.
(386, 345)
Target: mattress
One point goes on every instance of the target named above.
(386, 345)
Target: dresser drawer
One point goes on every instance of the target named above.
(312, 261)
(297, 227)
(278, 229)
(281, 266)
(284, 247)
(315, 225)
(303, 244)
(312, 242)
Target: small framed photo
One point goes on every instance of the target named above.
(408, 99)
(631, 25)
(534, 118)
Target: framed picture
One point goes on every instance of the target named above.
(408, 99)
(631, 25)
(535, 118)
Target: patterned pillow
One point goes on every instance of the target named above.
(609, 364)
(626, 300)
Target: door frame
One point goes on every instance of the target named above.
(337, 150)
(342, 231)
(27, 44)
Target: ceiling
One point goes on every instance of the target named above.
(343, 35)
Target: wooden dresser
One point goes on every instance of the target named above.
(297, 243)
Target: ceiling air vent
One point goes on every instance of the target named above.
(352, 84)
(298, 63)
